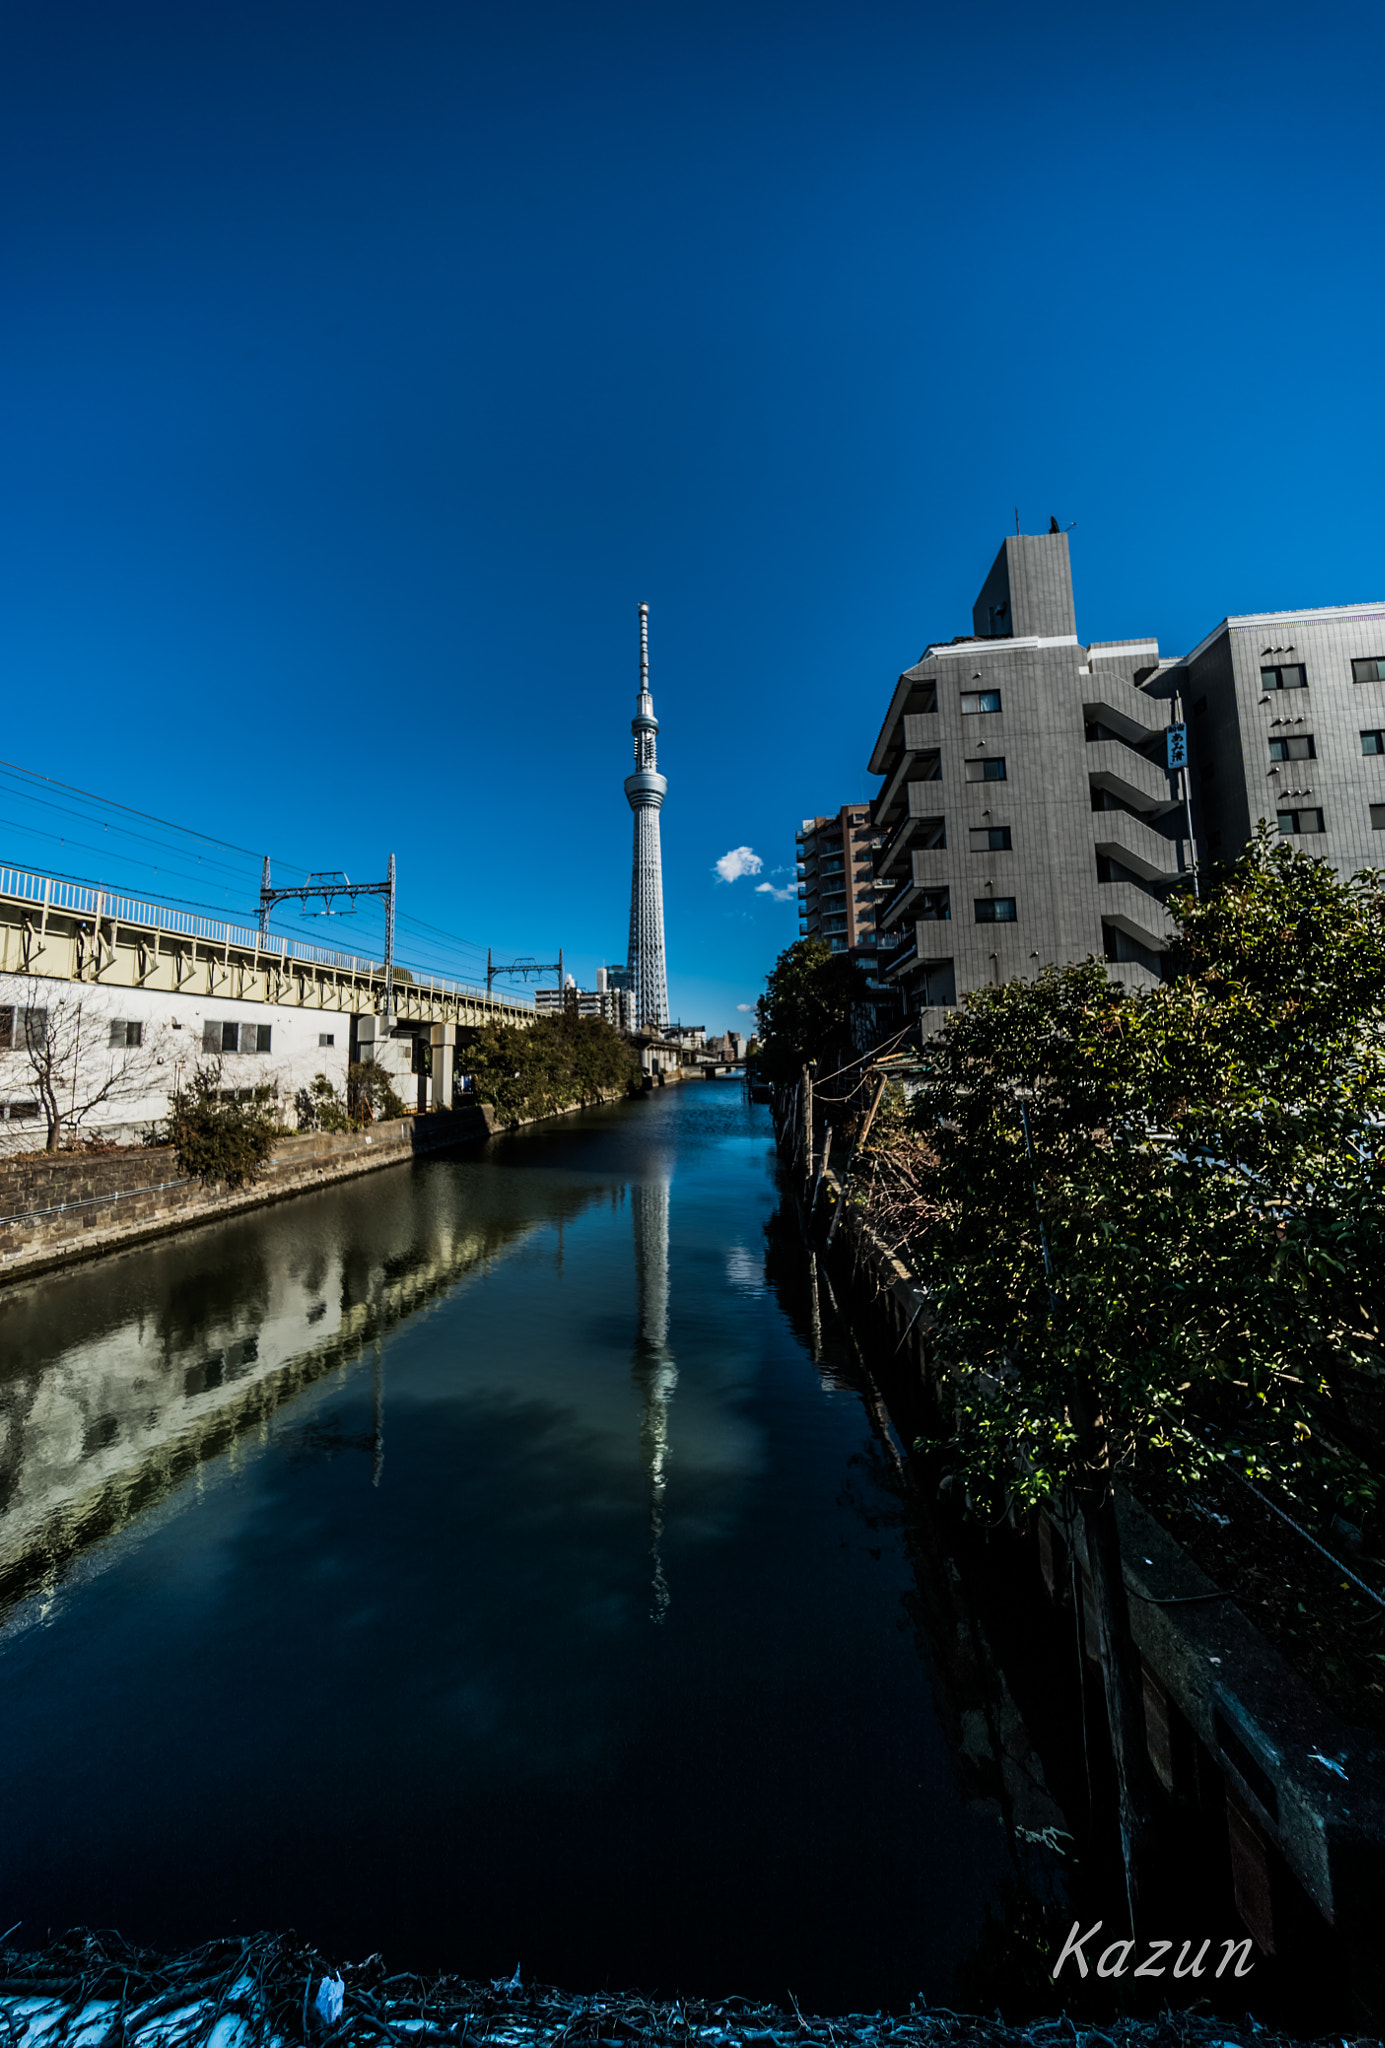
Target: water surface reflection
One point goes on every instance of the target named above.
(375, 1570)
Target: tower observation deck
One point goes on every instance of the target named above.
(646, 790)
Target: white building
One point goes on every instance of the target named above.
(122, 1052)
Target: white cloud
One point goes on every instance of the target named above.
(779, 895)
(746, 1009)
(741, 860)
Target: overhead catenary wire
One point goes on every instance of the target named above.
(108, 816)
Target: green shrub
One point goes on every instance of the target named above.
(219, 1142)
(557, 1063)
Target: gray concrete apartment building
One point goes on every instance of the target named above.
(1028, 815)
(1286, 717)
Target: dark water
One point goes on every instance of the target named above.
(470, 1563)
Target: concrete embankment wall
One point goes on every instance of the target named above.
(77, 1205)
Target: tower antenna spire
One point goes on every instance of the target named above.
(645, 791)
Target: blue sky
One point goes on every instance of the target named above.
(363, 367)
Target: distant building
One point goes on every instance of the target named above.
(836, 881)
(616, 1005)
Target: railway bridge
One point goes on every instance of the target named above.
(159, 985)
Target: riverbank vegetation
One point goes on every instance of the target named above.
(556, 1063)
(807, 1011)
(1149, 1227)
(218, 1141)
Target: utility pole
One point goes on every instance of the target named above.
(328, 884)
(523, 968)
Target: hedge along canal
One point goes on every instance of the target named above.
(471, 1563)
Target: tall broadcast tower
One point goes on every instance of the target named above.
(646, 789)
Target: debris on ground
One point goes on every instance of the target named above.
(93, 1990)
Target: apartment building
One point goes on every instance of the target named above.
(836, 880)
(1286, 719)
(1027, 814)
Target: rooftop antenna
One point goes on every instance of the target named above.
(644, 649)
(1017, 519)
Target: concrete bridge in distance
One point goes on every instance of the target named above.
(74, 932)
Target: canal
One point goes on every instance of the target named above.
(472, 1563)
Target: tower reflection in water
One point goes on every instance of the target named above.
(655, 1373)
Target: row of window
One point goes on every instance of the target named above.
(935, 906)
(932, 837)
(930, 769)
(1295, 677)
(1303, 748)
(236, 1037)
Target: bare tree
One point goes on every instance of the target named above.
(78, 1056)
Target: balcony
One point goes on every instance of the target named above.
(1138, 915)
(1137, 846)
(1128, 775)
(1126, 711)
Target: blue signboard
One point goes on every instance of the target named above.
(1178, 746)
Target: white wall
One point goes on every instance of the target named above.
(171, 1049)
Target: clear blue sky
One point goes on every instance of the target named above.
(363, 366)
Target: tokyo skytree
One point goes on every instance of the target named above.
(646, 789)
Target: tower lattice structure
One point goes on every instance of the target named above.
(646, 790)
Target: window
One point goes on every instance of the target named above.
(1207, 771)
(995, 909)
(934, 904)
(1300, 748)
(1373, 743)
(22, 1028)
(1300, 821)
(1200, 708)
(19, 1028)
(939, 984)
(990, 839)
(219, 1038)
(123, 1035)
(16, 1110)
(323, 1038)
(986, 771)
(980, 700)
(1371, 670)
(1283, 678)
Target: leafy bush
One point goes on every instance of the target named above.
(220, 1142)
(556, 1063)
(805, 1013)
(370, 1092)
(369, 1096)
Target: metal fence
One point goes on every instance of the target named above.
(83, 899)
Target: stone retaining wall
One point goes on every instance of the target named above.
(76, 1205)
(56, 1210)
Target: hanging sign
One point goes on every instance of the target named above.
(1178, 746)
